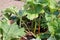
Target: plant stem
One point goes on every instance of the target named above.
(39, 24)
(25, 25)
(20, 17)
(32, 26)
(20, 21)
(35, 27)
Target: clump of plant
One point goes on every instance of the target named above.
(40, 18)
(42, 13)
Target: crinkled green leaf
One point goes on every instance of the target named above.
(11, 31)
(11, 10)
(52, 4)
(22, 13)
(48, 17)
(57, 36)
(42, 2)
(51, 38)
(32, 16)
(33, 10)
(52, 23)
(44, 35)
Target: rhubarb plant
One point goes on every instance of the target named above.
(41, 17)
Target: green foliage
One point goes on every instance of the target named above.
(51, 38)
(42, 13)
(53, 24)
(11, 31)
(35, 7)
(9, 11)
